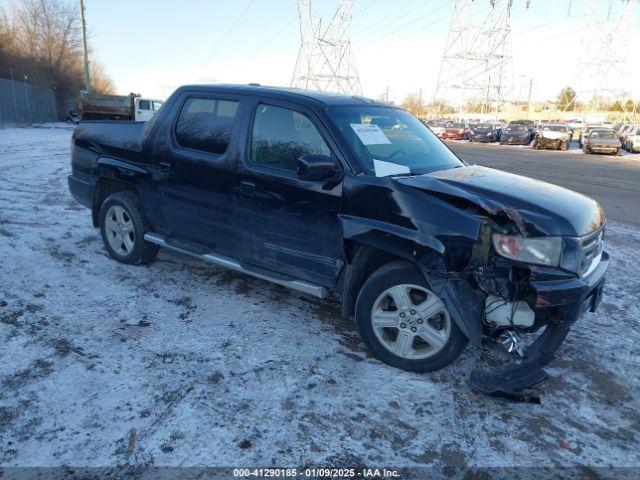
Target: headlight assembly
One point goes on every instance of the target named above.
(536, 250)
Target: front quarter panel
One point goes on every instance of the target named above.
(404, 221)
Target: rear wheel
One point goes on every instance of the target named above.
(123, 225)
(404, 322)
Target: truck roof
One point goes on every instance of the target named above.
(286, 93)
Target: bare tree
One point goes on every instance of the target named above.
(40, 40)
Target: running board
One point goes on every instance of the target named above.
(231, 264)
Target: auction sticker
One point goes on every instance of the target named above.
(370, 134)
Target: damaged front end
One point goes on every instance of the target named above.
(531, 271)
(497, 301)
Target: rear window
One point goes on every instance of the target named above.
(205, 124)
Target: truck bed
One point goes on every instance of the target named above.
(115, 137)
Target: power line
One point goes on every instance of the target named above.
(384, 19)
(227, 33)
(275, 35)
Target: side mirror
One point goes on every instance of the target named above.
(316, 167)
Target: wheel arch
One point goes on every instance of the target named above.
(365, 255)
(114, 175)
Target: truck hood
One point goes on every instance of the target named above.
(535, 208)
(605, 142)
(515, 134)
(553, 135)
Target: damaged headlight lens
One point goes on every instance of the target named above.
(540, 251)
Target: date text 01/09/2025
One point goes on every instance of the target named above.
(316, 472)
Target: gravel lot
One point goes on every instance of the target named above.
(180, 363)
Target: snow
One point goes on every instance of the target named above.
(210, 367)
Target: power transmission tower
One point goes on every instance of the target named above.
(325, 60)
(477, 66)
(603, 76)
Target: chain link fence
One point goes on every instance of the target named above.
(23, 104)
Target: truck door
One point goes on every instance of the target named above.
(289, 225)
(143, 110)
(198, 158)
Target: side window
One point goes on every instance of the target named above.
(281, 135)
(157, 104)
(205, 124)
(144, 105)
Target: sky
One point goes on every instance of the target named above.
(153, 46)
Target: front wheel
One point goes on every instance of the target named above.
(123, 225)
(404, 322)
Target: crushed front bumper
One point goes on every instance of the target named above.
(543, 142)
(596, 149)
(562, 302)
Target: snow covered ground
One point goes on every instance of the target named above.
(180, 363)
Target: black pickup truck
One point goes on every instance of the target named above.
(345, 196)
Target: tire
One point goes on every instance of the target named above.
(564, 146)
(536, 146)
(123, 225)
(585, 149)
(399, 341)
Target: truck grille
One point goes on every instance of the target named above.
(591, 251)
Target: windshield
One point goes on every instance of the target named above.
(389, 141)
(484, 126)
(516, 128)
(603, 134)
(556, 128)
(455, 125)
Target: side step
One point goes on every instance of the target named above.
(231, 264)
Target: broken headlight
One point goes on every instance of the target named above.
(537, 250)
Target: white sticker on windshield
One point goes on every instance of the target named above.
(370, 134)
(384, 169)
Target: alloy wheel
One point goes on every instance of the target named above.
(411, 321)
(119, 229)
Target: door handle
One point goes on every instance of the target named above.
(162, 172)
(246, 189)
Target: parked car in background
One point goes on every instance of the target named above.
(624, 131)
(456, 131)
(485, 133)
(586, 129)
(632, 140)
(554, 136)
(530, 124)
(436, 127)
(516, 134)
(302, 189)
(601, 140)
